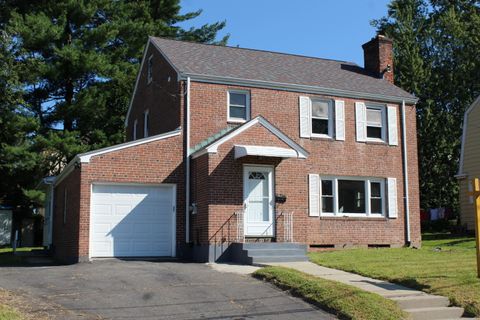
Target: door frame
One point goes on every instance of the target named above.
(173, 188)
(271, 191)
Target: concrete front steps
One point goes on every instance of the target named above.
(261, 253)
(428, 307)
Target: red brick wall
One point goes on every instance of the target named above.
(378, 54)
(327, 157)
(161, 97)
(66, 235)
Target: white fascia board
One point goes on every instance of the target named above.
(213, 148)
(264, 151)
(85, 157)
(296, 88)
(461, 174)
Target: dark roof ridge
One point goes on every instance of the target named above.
(257, 50)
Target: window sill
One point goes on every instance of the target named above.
(344, 218)
(376, 142)
(327, 138)
(233, 121)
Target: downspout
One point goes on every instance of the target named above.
(187, 165)
(405, 172)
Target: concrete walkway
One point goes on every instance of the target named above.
(418, 304)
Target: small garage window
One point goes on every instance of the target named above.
(65, 196)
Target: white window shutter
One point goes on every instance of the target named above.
(392, 197)
(314, 195)
(305, 119)
(392, 126)
(361, 121)
(340, 120)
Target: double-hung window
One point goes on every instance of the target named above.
(238, 106)
(376, 123)
(353, 196)
(146, 123)
(135, 128)
(150, 69)
(322, 118)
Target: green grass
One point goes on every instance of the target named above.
(345, 301)
(445, 265)
(7, 313)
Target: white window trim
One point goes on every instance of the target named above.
(135, 127)
(383, 109)
(150, 69)
(367, 181)
(247, 112)
(330, 119)
(145, 123)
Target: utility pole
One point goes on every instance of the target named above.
(476, 196)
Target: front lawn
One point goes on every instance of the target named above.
(347, 302)
(7, 313)
(445, 265)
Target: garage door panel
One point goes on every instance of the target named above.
(131, 221)
(103, 209)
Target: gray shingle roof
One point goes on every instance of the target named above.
(248, 64)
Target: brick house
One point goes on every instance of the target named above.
(227, 146)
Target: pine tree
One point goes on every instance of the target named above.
(436, 45)
(76, 63)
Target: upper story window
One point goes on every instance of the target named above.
(238, 106)
(376, 123)
(145, 123)
(150, 69)
(322, 118)
(135, 126)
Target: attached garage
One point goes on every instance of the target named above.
(132, 220)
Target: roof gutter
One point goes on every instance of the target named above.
(296, 88)
(405, 172)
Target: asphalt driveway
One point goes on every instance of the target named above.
(116, 289)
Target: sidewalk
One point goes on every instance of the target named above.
(418, 304)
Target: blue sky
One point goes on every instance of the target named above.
(333, 29)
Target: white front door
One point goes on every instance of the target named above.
(258, 201)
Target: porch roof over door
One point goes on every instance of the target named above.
(291, 149)
(264, 151)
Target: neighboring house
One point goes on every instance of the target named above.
(5, 226)
(230, 145)
(469, 163)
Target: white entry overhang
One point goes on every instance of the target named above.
(264, 151)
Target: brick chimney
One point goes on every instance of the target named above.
(378, 57)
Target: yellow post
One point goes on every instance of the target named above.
(476, 196)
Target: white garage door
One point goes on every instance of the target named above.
(132, 221)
